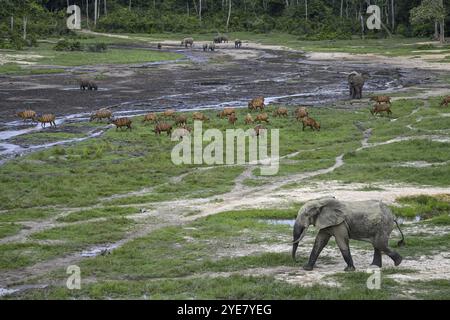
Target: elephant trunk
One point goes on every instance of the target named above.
(299, 232)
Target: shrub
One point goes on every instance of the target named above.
(67, 45)
(97, 47)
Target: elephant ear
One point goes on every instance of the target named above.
(331, 214)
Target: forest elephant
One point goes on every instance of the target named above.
(356, 83)
(371, 221)
(187, 42)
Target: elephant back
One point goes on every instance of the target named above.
(368, 219)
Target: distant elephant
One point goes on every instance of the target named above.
(217, 39)
(187, 41)
(237, 43)
(370, 221)
(212, 46)
(205, 47)
(356, 83)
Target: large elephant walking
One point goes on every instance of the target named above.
(356, 83)
(370, 221)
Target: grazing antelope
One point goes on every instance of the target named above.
(301, 113)
(380, 108)
(170, 113)
(310, 122)
(182, 132)
(122, 123)
(232, 118)
(263, 117)
(445, 101)
(281, 112)
(258, 129)
(27, 115)
(256, 103)
(181, 120)
(101, 114)
(150, 117)
(163, 127)
(248, 119)
(226, 112)
(381, 99)
(47, 118)
(199, 116)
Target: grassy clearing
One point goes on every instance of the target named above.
(108, 212)
(79, 236)
(9, 229)
(19, 255)
(44, 55)
(18, 215)
(380, 164)
(186, 262)
(24, 70)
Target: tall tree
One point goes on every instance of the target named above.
(430, 10)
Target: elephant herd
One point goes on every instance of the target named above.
(189, 42)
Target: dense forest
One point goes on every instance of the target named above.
(309, 19)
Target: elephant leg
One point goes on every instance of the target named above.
(377, 260)
(397, 258)
(342, 241)
(320, 243)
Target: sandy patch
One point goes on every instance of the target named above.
(23, 59)
(410, 62)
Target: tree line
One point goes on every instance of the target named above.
(309, 19)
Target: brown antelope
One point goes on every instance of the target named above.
(47, 118)
(199, 116)
(27, 115)
(262, 117)
(163, 127)
(181, 120)
(256, 103)
(248, 119)
(232, 119)
(101, 114)
(122, 123)
(169, 113)
(445, 101)
(150, 117)
(226, 112)
(281, 112)
(310, 122)
(301, 113)
(381, 99)
(380, 108)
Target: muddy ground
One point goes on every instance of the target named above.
(201, 80)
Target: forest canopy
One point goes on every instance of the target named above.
(309, 19)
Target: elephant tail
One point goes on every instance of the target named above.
(401, 243)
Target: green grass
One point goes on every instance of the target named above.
(44, 55)
(380, 164)
(176, 263)
(19, 255)
(108, 212)
(9, 229)
(81, 235)
(18, 215)
(23, 70)
(425, 207)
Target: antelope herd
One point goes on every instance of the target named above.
(161, 121)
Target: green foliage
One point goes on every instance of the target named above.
(68, 45)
